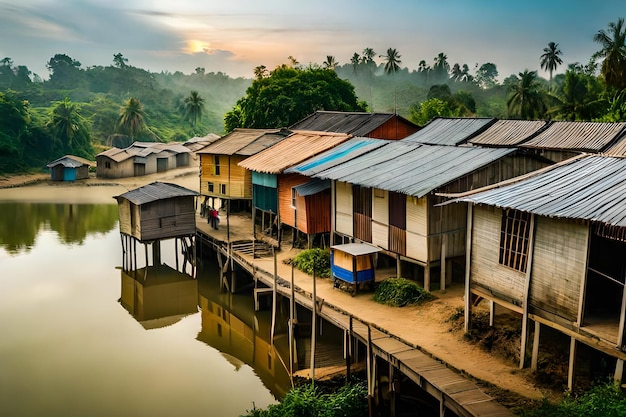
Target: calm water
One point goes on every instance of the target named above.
(79, 337)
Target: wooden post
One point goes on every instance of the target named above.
(398, 266)
(492, 313)
(427, 276)
(392, 389)
(468, 262)
(529, 267)
(442, 276)
(572, 364)
(292, 305)
(370, 373)
(348, 348)
(274, 294)
(313, 328)
(535, 356)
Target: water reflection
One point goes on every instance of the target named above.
(20, 223)
(230, 324)
(158, 296)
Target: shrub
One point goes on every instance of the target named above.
(313, 259)
(399, 292)
(307, 401)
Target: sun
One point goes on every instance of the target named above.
(194, 46)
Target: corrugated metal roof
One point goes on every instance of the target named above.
(263, 142)
(155, 191)
(143, 149)
(579, 136)
(449, 131)
(508, 132)
(354, 123)
(236, 140)
(312, 187)
(356, 249)
(591, 187)
(297, 147)
(618, 148)
(337, 155)
(413, 169)
(71, 161)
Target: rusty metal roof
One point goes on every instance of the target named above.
(449, 131)
(508, 132)
(354, 123)
(588, 187)
(235, 141)
(576, 136)
(155, 191)
(297, 147)
(337, 155)
(410, 168)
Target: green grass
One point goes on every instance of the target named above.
(399, 292)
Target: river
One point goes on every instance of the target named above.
(81, 337)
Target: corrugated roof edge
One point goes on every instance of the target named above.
(455, 196)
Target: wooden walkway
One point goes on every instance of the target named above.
(453, 390)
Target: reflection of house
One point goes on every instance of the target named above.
(387, 197)
(220, 176)
(550, 247)
(301, 203)
(70, 168)
(141, 158)
(158, 296)
(370, 125)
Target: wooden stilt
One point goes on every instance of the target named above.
(442, 275)
(492, 313)
(274, 298)
(535, 355)
(572, 364)
(468, 258)
(313, 329)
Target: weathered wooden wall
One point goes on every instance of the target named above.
(380, 218)
(393, 129)
(487, 273)
(558, 266)
(343, 215)
(237, 180)
(168, 218)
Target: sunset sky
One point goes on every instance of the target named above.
(237, 35)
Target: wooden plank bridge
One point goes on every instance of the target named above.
(454, 391)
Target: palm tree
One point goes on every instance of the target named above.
(330, 63)
(355, 60)
(550, 58)
(456, 73)
(392, 61)
(526, 100)
(67, 125)
(368, 56)
(613, 53)
(194, 108)
(260, 71)
(132, 117)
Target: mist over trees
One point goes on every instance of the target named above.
(84, 110)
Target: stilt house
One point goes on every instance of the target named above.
(387, 197)
(303, 204)
(70, 168)
(221, 178)
(371, 125)
(549, 246)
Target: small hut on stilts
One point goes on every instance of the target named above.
(155, 212)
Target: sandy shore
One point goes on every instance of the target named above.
(39, 188)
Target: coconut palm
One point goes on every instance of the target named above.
(368, 55)
(194, 108)
(550, 58)
(132, 117)
(392, 61)
(330, 63)
(526, 100)
(260, 72)
(355, 60)
(456, 73)
(613, 53)
(69, 128)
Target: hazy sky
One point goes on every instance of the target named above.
(234, 36)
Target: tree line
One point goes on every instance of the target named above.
(85, 110)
